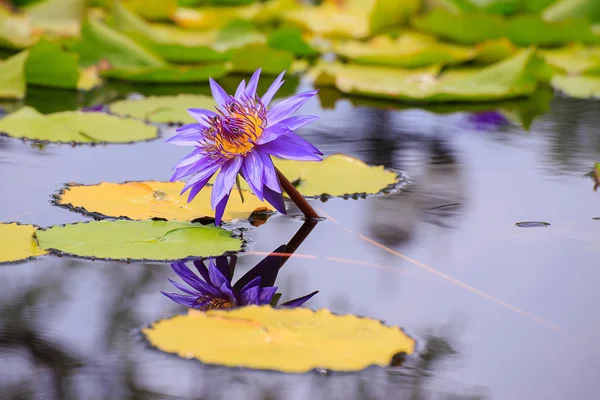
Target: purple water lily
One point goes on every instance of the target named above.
(240, 137)
(216, 291)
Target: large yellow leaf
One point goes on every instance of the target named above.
(289, 340)
(151, 199)
(336, 175)
(17, 242)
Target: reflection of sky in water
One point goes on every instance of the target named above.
(470, 187)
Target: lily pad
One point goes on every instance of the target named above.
(138, 240)
(290, 39)
(272, 61)
(48, 65)
(75, 127)
(214, 17)
(409, 50)
(336, 175)
(12, 76)
(582, 87)
(16, 31)
(17, 242)
(289, 340)
(162, 109)
(574, 59)
(565, 9)
(354, 18)
(514, 77)
(168, 74)
(57, 17)
(151, 199)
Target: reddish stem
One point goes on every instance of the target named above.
(296, 197)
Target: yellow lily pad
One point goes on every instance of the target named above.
(138, 240)
(582, 87)
(17, 242)
(151, 199)
(74, 127)
(574, 59)
(514, 77)
(12, 76)
(352, 18)
(57, 17)
(409, 50)
(289, 340)
(162, 109)
(336, 175)
(17, 31)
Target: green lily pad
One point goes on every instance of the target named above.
(162, 109)
(138, 240)
(168, 74)
(57, 17)
(582, 87)
(101, 42)
(238, 33)
(353, 19)
(513, 77)
(574, 59)
(248, 59)
(75, 127)
(153, 10)
(565, 9)
(290, 39)
(12, 76)
(16, 31)
(48, 65)
(474, 27)
(409, 50)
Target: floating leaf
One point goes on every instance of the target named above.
(574, 59)
(289, 340)
(162, 109)
(238, 33)
(74, 126)
(248, 59)
(16, 31)
(138, 240)
(290, 39)
(12, 76)
(583, 87)
(100, 42)
(513, 77)
(17, 242)
(409, 50)
(168, 74)
(214, 17)
(354, 18)
(48, 65)
(565, 9)
(151, 199)
(336, 175)
(153, 10)
(58, 17)
(493, 51)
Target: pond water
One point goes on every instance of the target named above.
(499, 311)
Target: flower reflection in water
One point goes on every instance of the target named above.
(487, 120)
(213, 287)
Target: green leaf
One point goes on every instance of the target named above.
(582, 87)
(74, 126)
(574, 59)
(168, 74)
(290, 39)
(49, 65)
(99, 42)
(162, 109)
(12, 76)
(153, 10)
(566, 9)
(513, 77)
(16, 31)
(409, 50)
(148, 240)
(531, 29)
(272, 61)
(59, 17)
(238, 33)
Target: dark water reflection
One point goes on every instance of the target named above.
(501, 312)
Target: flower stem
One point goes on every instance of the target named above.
(296, 197)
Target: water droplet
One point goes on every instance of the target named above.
(322, 371)
(532, 224)
(159, 195)
(189, 356)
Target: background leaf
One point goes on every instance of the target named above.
(168, 74)
(583, 87)
(49, 65)
(149, 240)
(163, 109)
(17, 242)
(12, 76)
(289, 340)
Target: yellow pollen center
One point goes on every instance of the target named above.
(250, 130)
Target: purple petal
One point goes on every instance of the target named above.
(270, 93)
(299, 121)
(227, 292)
(292, 147)
(201, 267)
(218, 93)
(220, 209)
(184, 289)
(275, 199)
(187, 301)
(216, 277)
(192, 280)
(199, 114)
(191, 158)
(252, 170)
(197, 188)
(253, 84)
(266, 294)
(187, 135)
(251, 296)
(202, 172)
(288, 107)
(254, 282)
(299, 301)
(267, 269)
(270, 179)
(240, 90)
(273, 132)
(225, 180)
(223, 266)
